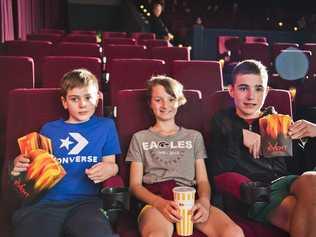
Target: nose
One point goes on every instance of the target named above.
(251, 94)
(82, 102)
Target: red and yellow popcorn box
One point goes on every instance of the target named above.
(44, 170)
(275, 141)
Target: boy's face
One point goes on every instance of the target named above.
(81, 103)
(249, 93)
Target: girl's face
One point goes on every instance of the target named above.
(163, 105)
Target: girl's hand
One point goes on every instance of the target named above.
(200, 211)
(252, 141)
(101, 171)
(21, 163)
(169, 209)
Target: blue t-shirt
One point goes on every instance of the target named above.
(77, 147)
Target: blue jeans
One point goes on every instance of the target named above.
(58, 219)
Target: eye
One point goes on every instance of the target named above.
(172, 99)
(74, 99)
(243, 88)
(88, 97)
(260, 89)
(157, 99)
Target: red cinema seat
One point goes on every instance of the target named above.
(77, 49)
(54, 38)
(54, 67)
(311, 47)
(16, 72)
(111, 34)
(169, 54)
(150, 43)
(227, 44)
(205, 76)
(255, 39)
(115, 41)
(123, 52)
(279, 46)
(143, 35)
(35, 49)
(28, 110)
(83, 38)
(53, 31)
(259, 51)
(83, 32)
(134, 76)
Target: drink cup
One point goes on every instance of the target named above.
(184, 197)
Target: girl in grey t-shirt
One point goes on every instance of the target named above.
(165, 152)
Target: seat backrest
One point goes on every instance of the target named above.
(35, 49)
(255, 39)
(84, 32)
(150, 43)
(278, 46)
(259, 51)
(169, 54)
(124, 41)
(77, 49)
(228, 43)
(311, 47)
(134, 75)
(143, 35)
(54, 38)
(16, 72)
(111, 34)
(205, 76)
(28, 110)
(123, 52)
(53, 68)
(53, 31)
(83, 38)
(280, 99)
(133, 114)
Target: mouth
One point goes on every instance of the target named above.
(250, 105)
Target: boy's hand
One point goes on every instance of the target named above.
(21, 163)
(200, 211)
(301, 129)
(101, 171)
(168, 209)
(252, 141)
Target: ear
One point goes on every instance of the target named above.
(63, 102)
(231, 90)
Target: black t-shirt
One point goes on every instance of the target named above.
(158, 27)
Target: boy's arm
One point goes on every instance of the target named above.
(103, 170)
(301, 129)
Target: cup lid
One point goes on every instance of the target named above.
(183, 189)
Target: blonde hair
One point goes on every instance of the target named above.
(77, 78)
(172, 87)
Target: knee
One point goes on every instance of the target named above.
(305, 185)
(148, 231)
(233, 231)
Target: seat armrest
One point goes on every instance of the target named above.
(229, 183)
(114, 182)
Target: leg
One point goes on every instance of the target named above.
(219, 224)
(86, 220)
(153, 223)
(303, 222)
(39, 220)
(297, 212)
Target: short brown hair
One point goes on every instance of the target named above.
(250, 66)
(77, 78)
(172, 87)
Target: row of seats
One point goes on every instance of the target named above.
(195, 114)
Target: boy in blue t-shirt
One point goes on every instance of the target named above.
(86, 146)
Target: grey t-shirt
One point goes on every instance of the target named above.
(167, 157)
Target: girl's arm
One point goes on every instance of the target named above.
(202, 205)
(168, 208)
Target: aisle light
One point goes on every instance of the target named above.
(141, 6)
(280, 23)
(295, 28)
(148, 14)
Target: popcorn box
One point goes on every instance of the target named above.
(275, 141)
(44, 170)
